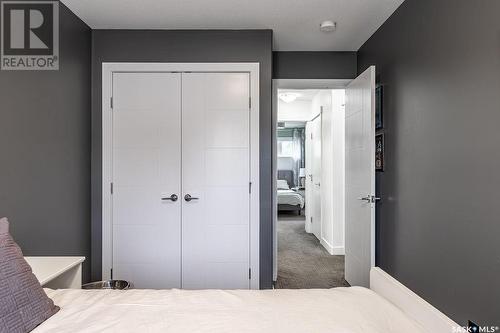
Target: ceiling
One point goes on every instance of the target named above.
(295, 22)
(303, 94)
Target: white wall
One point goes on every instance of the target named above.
(294, 111)
(285, 163)
(333, 170)
(338, 170)
(324, 100)
(308, 167)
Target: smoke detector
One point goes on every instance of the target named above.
(328, 26)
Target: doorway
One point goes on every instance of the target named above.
(309, 237)
(340, 189)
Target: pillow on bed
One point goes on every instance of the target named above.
(23, 303)
(282, 184)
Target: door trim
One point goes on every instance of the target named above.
(107, 87)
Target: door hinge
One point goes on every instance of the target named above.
(111, 102)
(250, 187)
(249, 102)
(311, 136)
(249, 273)
(111, 187)
(311, 219)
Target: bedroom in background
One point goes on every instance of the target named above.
(309, 166)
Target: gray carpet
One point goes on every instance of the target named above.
(303, 263)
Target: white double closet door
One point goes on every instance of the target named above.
(176, 136)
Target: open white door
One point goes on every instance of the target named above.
(360, 178)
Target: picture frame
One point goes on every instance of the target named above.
(379, 107)
(379, 152)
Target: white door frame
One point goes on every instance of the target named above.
(291, 84)
(107, 125)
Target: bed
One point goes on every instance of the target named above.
(352, 309)
(288, 199)
(387, 307)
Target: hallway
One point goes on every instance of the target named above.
(302, 262)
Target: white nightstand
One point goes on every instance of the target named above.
(57, 272)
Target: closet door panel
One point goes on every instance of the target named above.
(146, 169)
(227, 275)
(236, 208)
(226, 167)
(223, 243)
(215, 154)
(228, 129)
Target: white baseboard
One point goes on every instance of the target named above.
(338, 251)
(333, 250)
(326, 245)
(430, 318)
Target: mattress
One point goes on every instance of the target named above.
(352, 310)
(290, 197)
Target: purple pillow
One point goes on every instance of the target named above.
(23, 303)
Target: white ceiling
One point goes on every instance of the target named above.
(295, 22)
(303, 94)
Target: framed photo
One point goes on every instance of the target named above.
(379, 105)
(379, 152)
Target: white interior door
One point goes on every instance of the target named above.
(146, 172)
(316, 176)
(216, 174)
(360, 179)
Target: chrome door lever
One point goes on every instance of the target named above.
(173, 197)
(188, 197)
(368, 198)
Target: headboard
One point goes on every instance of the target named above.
(288, 176)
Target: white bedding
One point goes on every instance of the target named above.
(339, 310)
(290, 197)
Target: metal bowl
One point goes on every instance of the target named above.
(108, 284)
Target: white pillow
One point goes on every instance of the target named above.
(282, 184)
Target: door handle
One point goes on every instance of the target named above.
(173, 197)
(370, 199)
(188, 197)
(318, 184)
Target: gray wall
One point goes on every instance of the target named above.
(314, 65)
(439, 221)
(186, 46)
(45, 149)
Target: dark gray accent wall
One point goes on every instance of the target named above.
(45, 149)
(186, 46)
(439, 219)
(314, 65)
